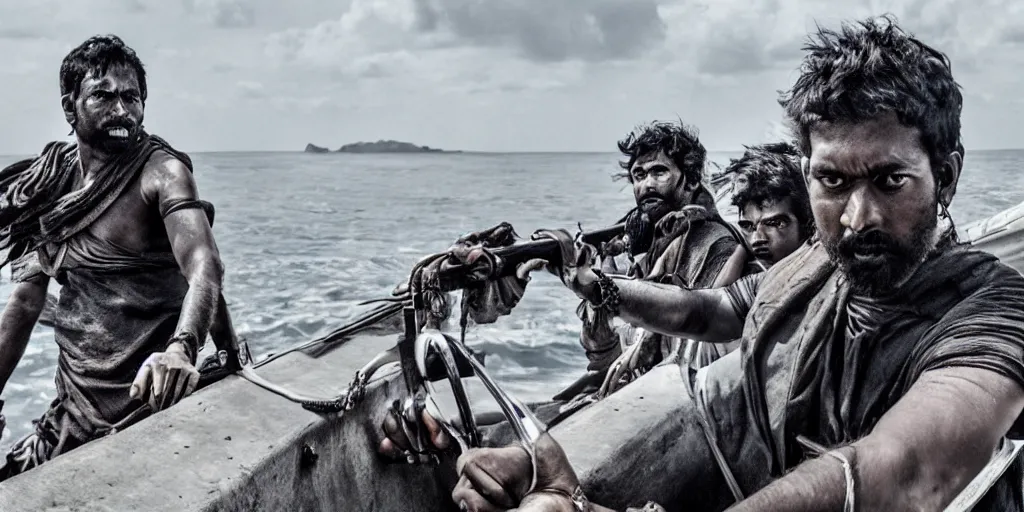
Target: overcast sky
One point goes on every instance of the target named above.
(489, 75)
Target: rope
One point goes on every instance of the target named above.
(355, 390)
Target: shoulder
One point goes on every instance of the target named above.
(742, 294)
(164, 174)
(811, 256)
(720, 240)
(980, 272)
(979, 306)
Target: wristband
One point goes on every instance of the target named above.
(849, 504)
(579, 500)
(189, 341)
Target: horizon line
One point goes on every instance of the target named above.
(465, 151)
(500, 152)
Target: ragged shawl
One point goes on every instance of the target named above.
(38, 203)
(802, 377)
(116, 306)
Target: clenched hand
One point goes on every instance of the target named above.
(164, 379)
(497, 479)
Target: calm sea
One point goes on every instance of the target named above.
(306, 237)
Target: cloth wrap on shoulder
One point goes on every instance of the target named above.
(38, 205)
(116, 306)
(799, 375)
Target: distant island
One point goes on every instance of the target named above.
(381, 146)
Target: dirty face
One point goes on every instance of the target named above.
(771, 228)
(874, 198)
(108, 111)
(658, 187)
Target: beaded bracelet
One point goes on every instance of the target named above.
(609, 293)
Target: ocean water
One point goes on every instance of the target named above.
(306, 237)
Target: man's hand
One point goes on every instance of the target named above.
(499, 479)
(614, 247)
(675, 223)
(575, 272)
(395, 442)
(492, 479)
(165, 378)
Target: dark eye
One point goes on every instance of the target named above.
(776, 223)
(102, 95)
(894, 181)
(746, 226)
(639, 174)
(831, 181)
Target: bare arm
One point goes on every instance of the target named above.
(19, 318)
(733, 268)
(920, 456)
(706, 315)
(194, 248)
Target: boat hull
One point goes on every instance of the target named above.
(236, 447)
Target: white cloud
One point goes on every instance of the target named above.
(509, 75)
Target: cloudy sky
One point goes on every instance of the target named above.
(488, 75)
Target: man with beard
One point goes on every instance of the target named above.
(882, 365)
(115, 219)
(674, 236)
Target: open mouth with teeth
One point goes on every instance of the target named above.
(118, 133)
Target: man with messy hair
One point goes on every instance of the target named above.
(674, 236)
(769, 192)
(115, 218)
(882, 364)
(771, 196)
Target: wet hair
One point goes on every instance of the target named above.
(769, 173)
(98, 54)
(870, 68)
(679, 142)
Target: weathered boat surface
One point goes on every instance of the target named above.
(1001, 235)
(234, 446)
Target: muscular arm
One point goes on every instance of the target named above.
(193, 245)
(920, 456)
(706, 315)
(19, 317)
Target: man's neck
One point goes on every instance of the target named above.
(91, 159)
